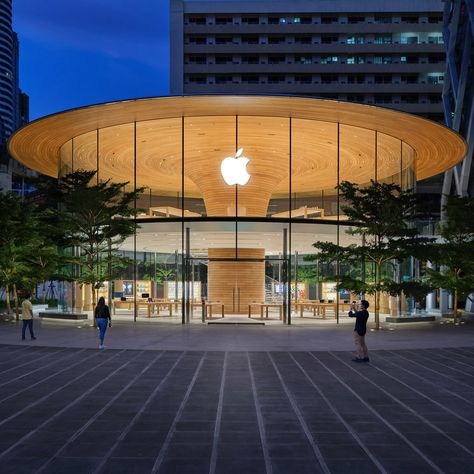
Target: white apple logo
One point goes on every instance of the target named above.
(234, 169)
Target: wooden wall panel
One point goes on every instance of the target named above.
(226, 278)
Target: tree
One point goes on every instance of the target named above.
(94, 218)
(455, 252)
(381, 214)
(18, 225)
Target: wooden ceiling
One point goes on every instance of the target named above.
(262, 126)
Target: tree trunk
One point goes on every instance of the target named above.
(7, 299)
(455, 306)
(43, 292)
(377, 296)
(94, 304)
(17, 305)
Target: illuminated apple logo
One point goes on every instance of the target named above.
(234, 169)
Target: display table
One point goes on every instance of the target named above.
(265, 306)
(317, 308)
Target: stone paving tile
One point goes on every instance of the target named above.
(132, 411)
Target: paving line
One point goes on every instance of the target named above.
(20, 359)
(124, 433)
(67, 407)
(261, 424)
(91, 420)
(454, 394)
(45, 397)
(411, 410)
(381, 418)
(301, 419)
(432, 370)
(18, 349)
(47, 378)
(459, 355)
(217, 426)
(49, 354)
(421, 394)
(172, 430)
(340, 417)
(444, 365)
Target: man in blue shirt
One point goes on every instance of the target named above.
(362, 315)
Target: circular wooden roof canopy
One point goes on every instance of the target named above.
(105, 133)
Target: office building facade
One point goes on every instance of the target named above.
(389, 54)
(14, 104)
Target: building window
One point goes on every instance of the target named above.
(250, 59)
(435, 39)
(276, 79)
(383, 79)
(350, 40)
(435, 78)
(250, 78)
(382, 98)
(329, 59)
(382, 19)
(409, 19)
(197, 40)
(197, 60)
(223, 79)
(223, 59)
(435, 19)
(296, 19)
(305, 20)
(436, 59)
(356, 79)
(276, 39)
(276, 59)
(223, 20)
(304, 59)
(350, 60)
(250, 39)
(303, 79)
(383, 39)
(325, 39)
(409, 59)
(408, 38)
(273, 20)
(303, 39)
(223, 39)
(355, 19)
(409, 99)
(329, 78)
(327, 20)
(197, 20)
(409, 79)
(250, 20)
(197, 79)
(382, 60)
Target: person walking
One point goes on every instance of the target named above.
(102, 318)
(27, 317)
(362, 315)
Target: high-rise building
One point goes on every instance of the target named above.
(387, 53)
(14, 104)
(458, 93)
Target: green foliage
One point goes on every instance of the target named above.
(454, 254)
(94, 218)
(381, 214)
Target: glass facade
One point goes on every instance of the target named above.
(206, 249)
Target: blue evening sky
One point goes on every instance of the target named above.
(75, 53)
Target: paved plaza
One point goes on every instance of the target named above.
(159, 401)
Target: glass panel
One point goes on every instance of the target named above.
(85, 152)
(65, 159)
(408, 168)
(314, 170)
(388, 159)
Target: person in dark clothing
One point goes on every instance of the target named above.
(102, 318)
(362, 315)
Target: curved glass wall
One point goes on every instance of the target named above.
(208, 247)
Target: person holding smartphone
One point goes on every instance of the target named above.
(362, 315)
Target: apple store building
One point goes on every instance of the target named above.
(237, 190)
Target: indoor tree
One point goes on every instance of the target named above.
(381, 214)
(454, 253)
